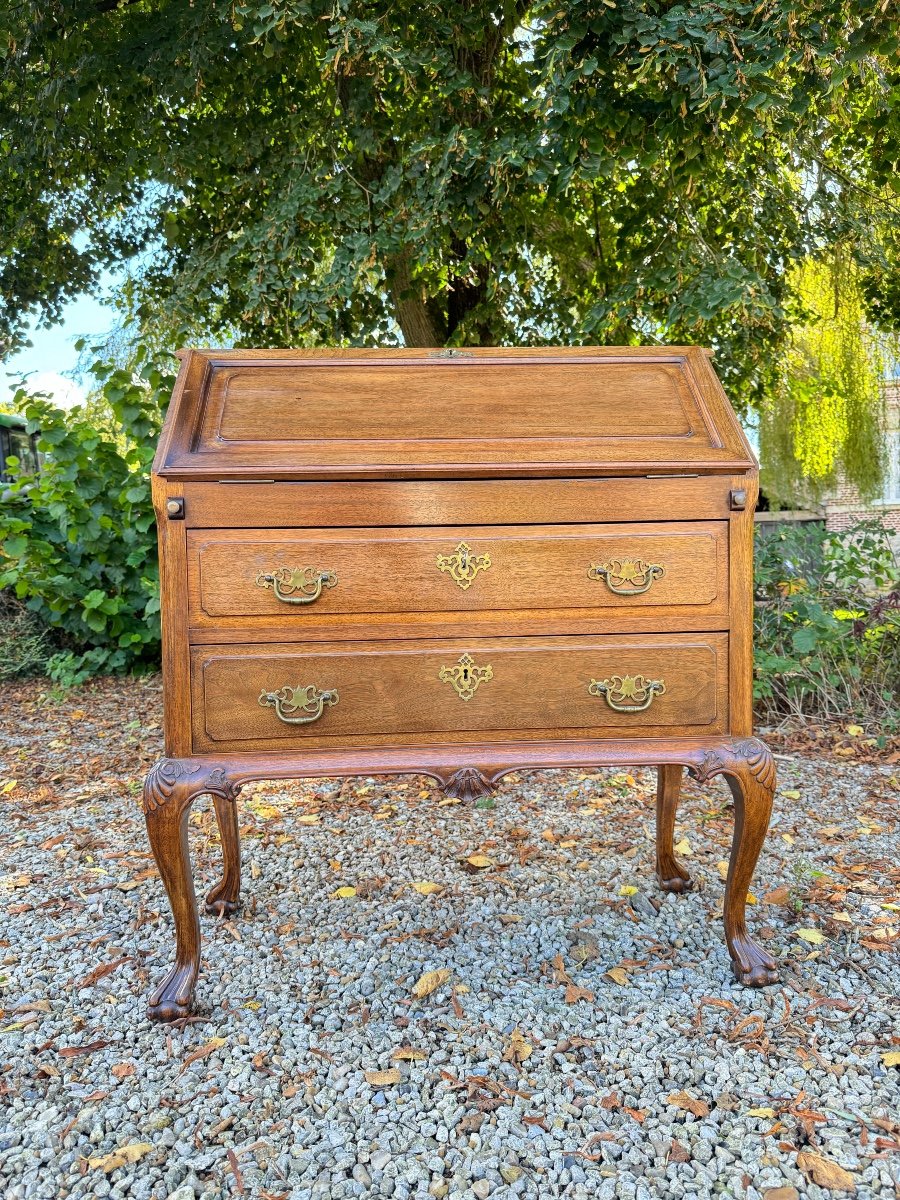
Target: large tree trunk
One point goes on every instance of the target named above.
(415, 315)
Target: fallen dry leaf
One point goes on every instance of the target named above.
(781, 1193)
(409, 1054)
(235, 1170)
(344, 893)
(891, 1058)
(131, 1153)
(424, 888)
(123, 1070)
(519, 1048)
(88, 1048)
(825, 1172)
(683, 848)
(574, 993)
(383, 1078)
(42, 1006)
(479, 861)
(689, 1103)
(627, 890)
(761, 1112)
(617, 975)
(430, 982)
(815, 936)
(779, 895)
(202, 1052)
(679, 1153)
(101, 972)
(15, 881)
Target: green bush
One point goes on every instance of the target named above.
(77, 542)
(827, 626)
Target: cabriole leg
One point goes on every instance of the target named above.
(749, 770)
(171, 787)
(672, 874)
(224, 897)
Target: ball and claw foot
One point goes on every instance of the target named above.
(676, 883)
(173, 999)
(218, 904)
(755, 968)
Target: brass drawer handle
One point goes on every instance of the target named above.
(462, 565)
(627, 576)
(297, 585)
(627, 693)
(308, 701)
(464, 677)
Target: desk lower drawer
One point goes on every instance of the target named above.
(353, 694)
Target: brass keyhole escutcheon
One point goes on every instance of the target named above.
(465, 677)
(463, 565)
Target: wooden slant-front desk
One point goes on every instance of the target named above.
(457, 563)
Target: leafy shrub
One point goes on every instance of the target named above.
(827, 636)
(77, 542)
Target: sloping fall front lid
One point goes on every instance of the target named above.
(351, 414)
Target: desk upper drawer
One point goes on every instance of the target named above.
(307, 577)
(277, 696)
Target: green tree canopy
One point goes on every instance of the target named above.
(297, 171)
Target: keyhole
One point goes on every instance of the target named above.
(465, 559)
(465, 674)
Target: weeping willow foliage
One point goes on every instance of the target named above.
(825, 417)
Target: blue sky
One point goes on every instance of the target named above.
(52, 358)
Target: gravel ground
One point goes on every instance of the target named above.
(585, 1039)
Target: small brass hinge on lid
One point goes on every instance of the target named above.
(449, 352)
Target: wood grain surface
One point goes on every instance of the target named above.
(294, 505)
(397, 570)
(581, 410)
(393, 690)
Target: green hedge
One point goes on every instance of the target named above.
(78, 541)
